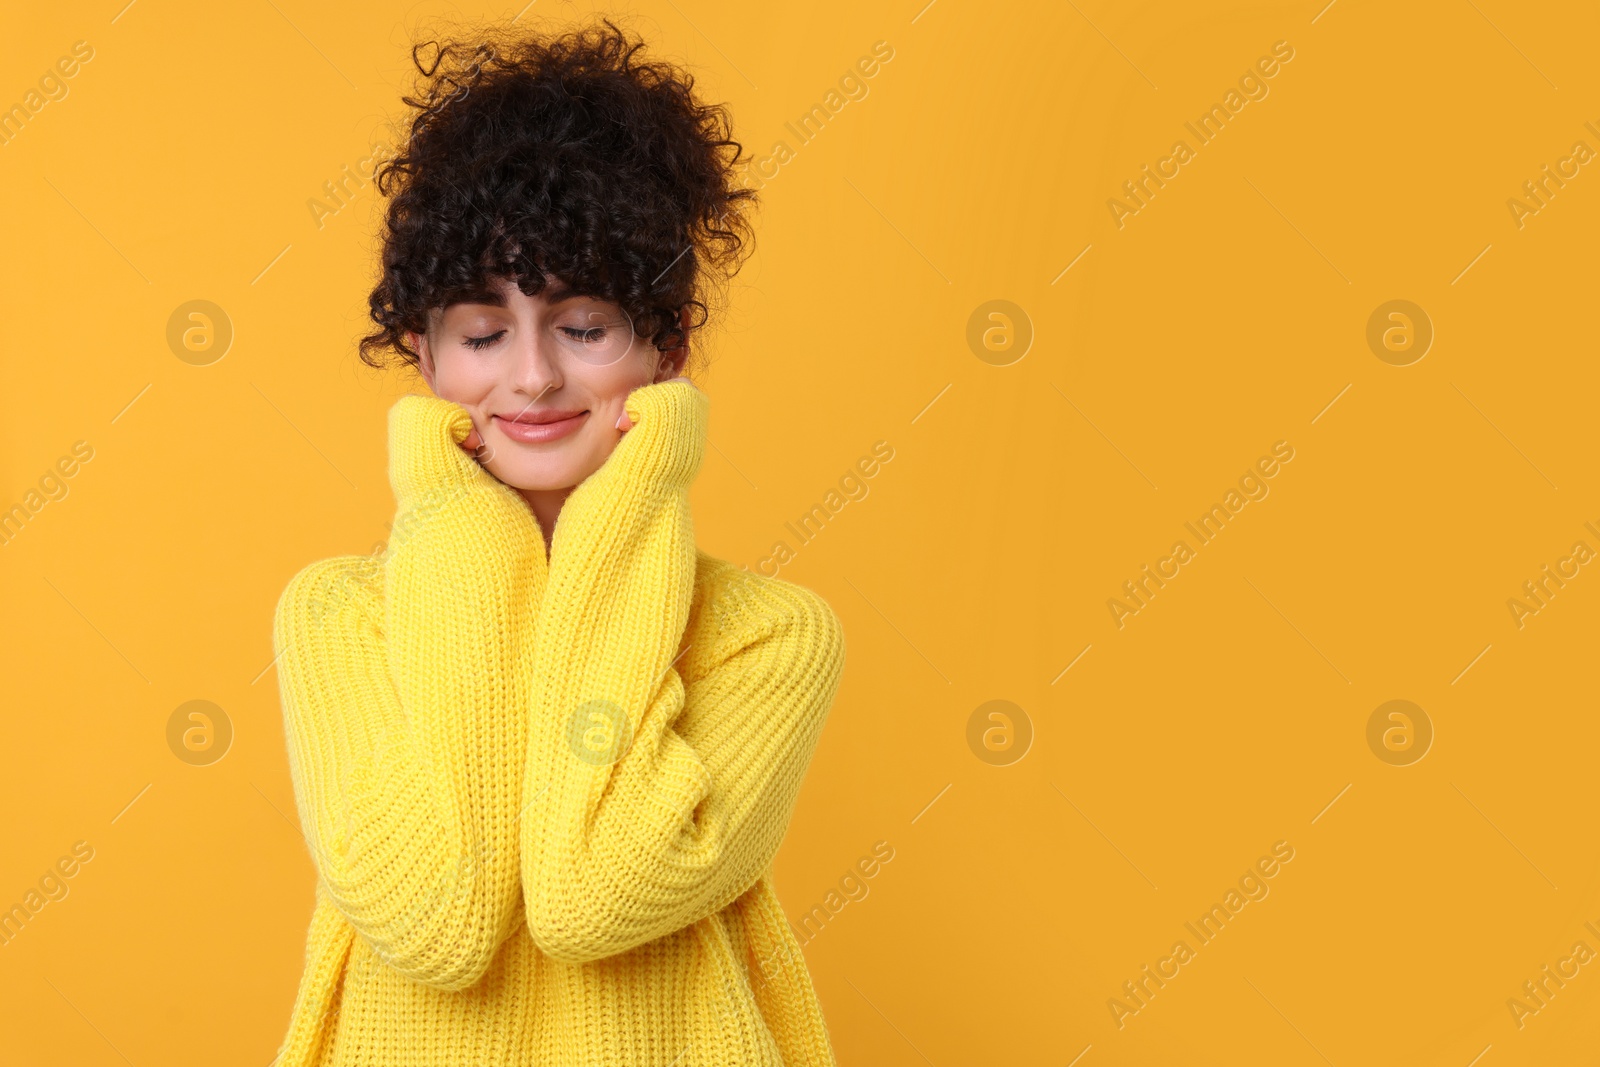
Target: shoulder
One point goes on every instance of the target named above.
(737, 596)
(734, 608)
(341, 588)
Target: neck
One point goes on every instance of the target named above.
(546, 505)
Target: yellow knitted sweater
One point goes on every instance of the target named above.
(543, 796)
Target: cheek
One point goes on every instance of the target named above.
(464, 381)
(609, 386)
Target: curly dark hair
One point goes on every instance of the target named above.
(560, 154)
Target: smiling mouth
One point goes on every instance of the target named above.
(529, 432)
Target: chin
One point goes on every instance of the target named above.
(541, 479)
(541, 473)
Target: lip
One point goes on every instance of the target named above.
(534, 427)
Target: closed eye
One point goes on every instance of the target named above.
(483, 342)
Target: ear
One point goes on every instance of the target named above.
(419, 344)
(673, 359)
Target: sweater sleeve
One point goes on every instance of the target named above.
(405, 686)
(660, 782)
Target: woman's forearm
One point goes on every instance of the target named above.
(658, 787)
(405, 691)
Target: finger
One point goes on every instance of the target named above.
(473, 441)
(625, 424)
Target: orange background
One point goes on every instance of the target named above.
(1230, 312)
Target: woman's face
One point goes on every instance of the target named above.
(515, 362)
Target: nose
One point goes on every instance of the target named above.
(537, 367)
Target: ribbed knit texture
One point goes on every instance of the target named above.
(543, 797)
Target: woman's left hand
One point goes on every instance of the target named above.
(625, 424)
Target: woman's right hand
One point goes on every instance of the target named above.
(462, 542)
(432, 447)
(473, 443)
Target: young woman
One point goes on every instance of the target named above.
(544, 749)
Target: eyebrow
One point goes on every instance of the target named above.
(495, 298)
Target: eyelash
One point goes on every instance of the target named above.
(476, 343)
(577, 333)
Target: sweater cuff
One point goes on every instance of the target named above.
(666, 445)
(425, 453)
